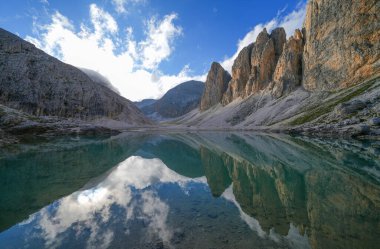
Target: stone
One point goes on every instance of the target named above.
(350, 107)
(342, 45)
(215, 85)
(33, 82)
(264, 70)
(288, 74)
(253, 69)
(374, 121)
(262, 63)
(361, 130)
(278, 36)
(241, 70)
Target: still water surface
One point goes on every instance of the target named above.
(190, 190)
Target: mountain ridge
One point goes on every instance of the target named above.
(176, 102)
(39, 94)
(39, 84)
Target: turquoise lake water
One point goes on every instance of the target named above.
(190, 190)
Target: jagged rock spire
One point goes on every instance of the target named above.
(215, 85)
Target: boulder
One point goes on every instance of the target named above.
(350, 107)
(374, 121)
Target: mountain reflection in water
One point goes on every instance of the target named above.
(191, 190)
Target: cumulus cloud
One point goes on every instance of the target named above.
(290, 23)
(103, 46)
(158, 45)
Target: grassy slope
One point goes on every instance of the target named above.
(335, 99)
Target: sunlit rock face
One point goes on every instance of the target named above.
(337, 48)
(254, 68)
(288, 74)
(241, 70)
(342, 43)
(215, 85)
(263, 62)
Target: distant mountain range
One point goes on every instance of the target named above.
(176, 102)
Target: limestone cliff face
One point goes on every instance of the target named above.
(36, 83)
(240, 75)
(263, 63)
(254, 67)
(342, 43)
(288, 74)
(339, 47)
(215, 85)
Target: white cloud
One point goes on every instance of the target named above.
(120, 5)
(44, 1)
(102, 20)
(130, 65)
(158, 45)
(290, 23)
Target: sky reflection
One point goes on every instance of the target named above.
(198, 191)
(128, 188)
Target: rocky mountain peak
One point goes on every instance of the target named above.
(215, 85)
(36, 83)
(338, 47)
(288, 74)
(278, 36)
(262, 38)
(253, 69)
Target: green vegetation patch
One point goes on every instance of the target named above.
(330, 105)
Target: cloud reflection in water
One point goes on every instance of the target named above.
(127, 187)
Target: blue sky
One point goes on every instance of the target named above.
(146, 47)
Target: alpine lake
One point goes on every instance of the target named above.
(190, 190)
